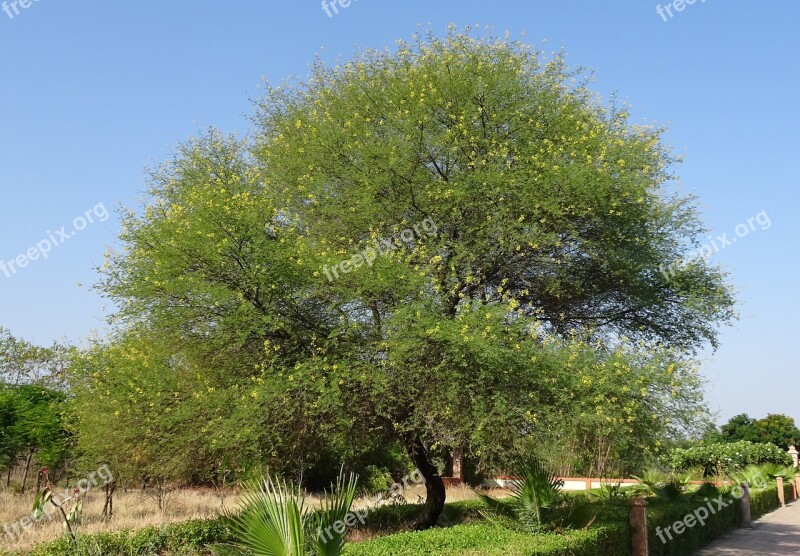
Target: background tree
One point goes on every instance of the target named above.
(740, 427)
(32, 430)
(22, 362)
(779, 430)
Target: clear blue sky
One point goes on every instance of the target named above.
(92, 93)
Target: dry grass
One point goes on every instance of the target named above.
(135, 510)
(132, 510)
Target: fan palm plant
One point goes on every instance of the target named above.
(274, 520)
(667, 486)
(773, 471)
(336, 506)
(536, 490)
(757, 476)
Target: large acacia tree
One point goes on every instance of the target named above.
(546, 216)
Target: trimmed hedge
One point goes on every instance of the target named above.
(190, 537)
(717, 525)
(766, 500)
(495, 540)
(186, 538)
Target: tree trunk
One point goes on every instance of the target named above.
(11, 466)
(25, 474)
(458, 463)
(108, 508)
(434, 486)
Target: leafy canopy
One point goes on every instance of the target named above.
(536, 301)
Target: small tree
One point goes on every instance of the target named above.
(46, 498)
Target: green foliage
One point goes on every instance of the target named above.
(495, 540)
(274, 520)
(724, 458)
(187, 539)
(547, 220)
(177, 539)
(375, 480)
(664, 515)
(608, 535)
(616, 409)
(706, 490)
(718, 524)
(71, 519)
(773, 471)
(740, 427)
(335, 506)
(395, 517)
(537, 490)
(608, 492)
(33, 420)
(667, 486)
(487, 539)
(754, 475)
(539, 194)
(779, 430)
(765, 500)
(22, 362)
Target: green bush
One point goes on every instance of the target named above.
(181, 538)
(189, 537)
(374, 479)
(493, 540)
(663, 515)
(716, 525)
(723, 458)
(765, 500)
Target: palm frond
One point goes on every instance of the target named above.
(336, 505)
(536, 490)
(273, 519)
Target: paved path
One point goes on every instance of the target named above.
(776, 533)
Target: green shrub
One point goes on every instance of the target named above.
(663, 515)
(180, 538)
(488, 539)
(189, 537)
(723, 458)
(716, 525)
(374, 479)
(532, 498)
(765, 500)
